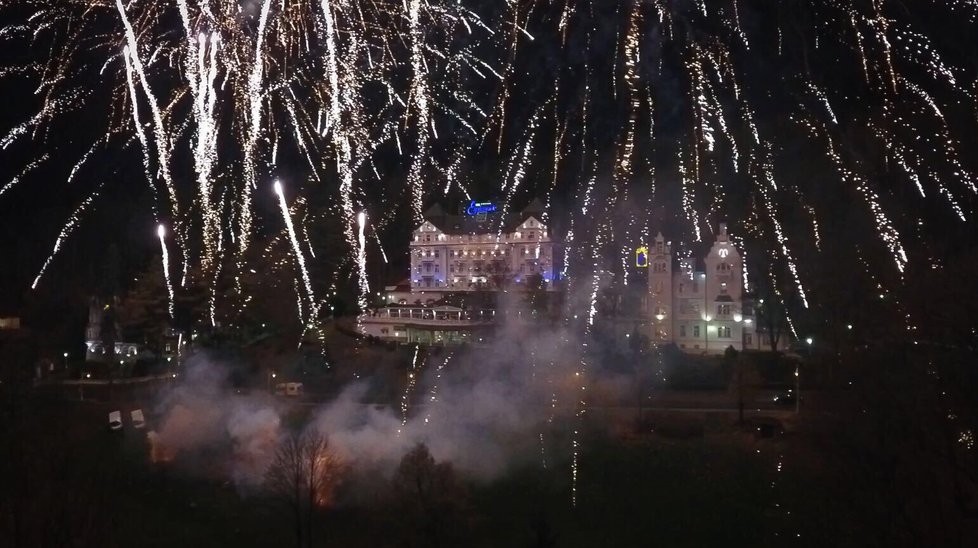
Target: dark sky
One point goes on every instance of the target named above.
(773, 81)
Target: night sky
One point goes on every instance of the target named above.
(566, 90)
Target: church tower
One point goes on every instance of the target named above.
(724, 288)
(660, 291)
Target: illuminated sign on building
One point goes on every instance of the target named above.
(642, 257)
(480, 208)
(724, 253)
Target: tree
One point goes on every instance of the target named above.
(302, 476)
(770, 320)
(430, 501)
(746, 379)
(536, 293)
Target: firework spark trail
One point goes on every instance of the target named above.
(362, 261)
(66, 231)
(255, 78)
(767, 176)
(131, 52)
(297, 249)
(433, 394)
(47, 112)
(419, 102)
(161, 232)
(205, 149)
(81, 161)
(23, 173)
(413, 375)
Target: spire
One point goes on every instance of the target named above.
(722, 236)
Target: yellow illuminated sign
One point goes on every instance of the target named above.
(642, 257)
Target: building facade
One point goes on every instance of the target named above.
(482, 249)
(479, 248)
(699, 305)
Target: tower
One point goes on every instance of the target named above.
(724, 287)
(660, 290)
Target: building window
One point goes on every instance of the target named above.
(748, 339)
(696, 331)
(682, 330)
(436, 268)
(723, 310)
(723, 332)
(436, 253)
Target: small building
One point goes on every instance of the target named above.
(699, 305)
(100, 317)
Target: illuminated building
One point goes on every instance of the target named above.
(481, 248)
(478, 249)
(98, 319)
(700, 305)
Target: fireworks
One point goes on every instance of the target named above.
(161, 232)
(617, 114)
(340, 85)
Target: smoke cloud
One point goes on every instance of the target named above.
(484, 408)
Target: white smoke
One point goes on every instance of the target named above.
(202, 413)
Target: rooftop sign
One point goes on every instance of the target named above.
(480, 208)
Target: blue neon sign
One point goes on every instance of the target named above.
(478, 208)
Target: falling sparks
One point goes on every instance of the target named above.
(297, 249)
(66, 231)
(161, 232)
(389, 102)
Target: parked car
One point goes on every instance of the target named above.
(115, 420)
(138, 420)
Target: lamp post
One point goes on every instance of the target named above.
(66, 361)
(270, 377)
(809, 342)
(707, 318)
(797, 389)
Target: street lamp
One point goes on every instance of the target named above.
(270, 377)
(797, 389)
(66, 360)
(707, 318)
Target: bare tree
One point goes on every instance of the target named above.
(746, 379)
(429, 500)
(303, 475)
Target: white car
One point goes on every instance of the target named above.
(138, 420)
(115, 420)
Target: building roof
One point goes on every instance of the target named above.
(492, 222)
